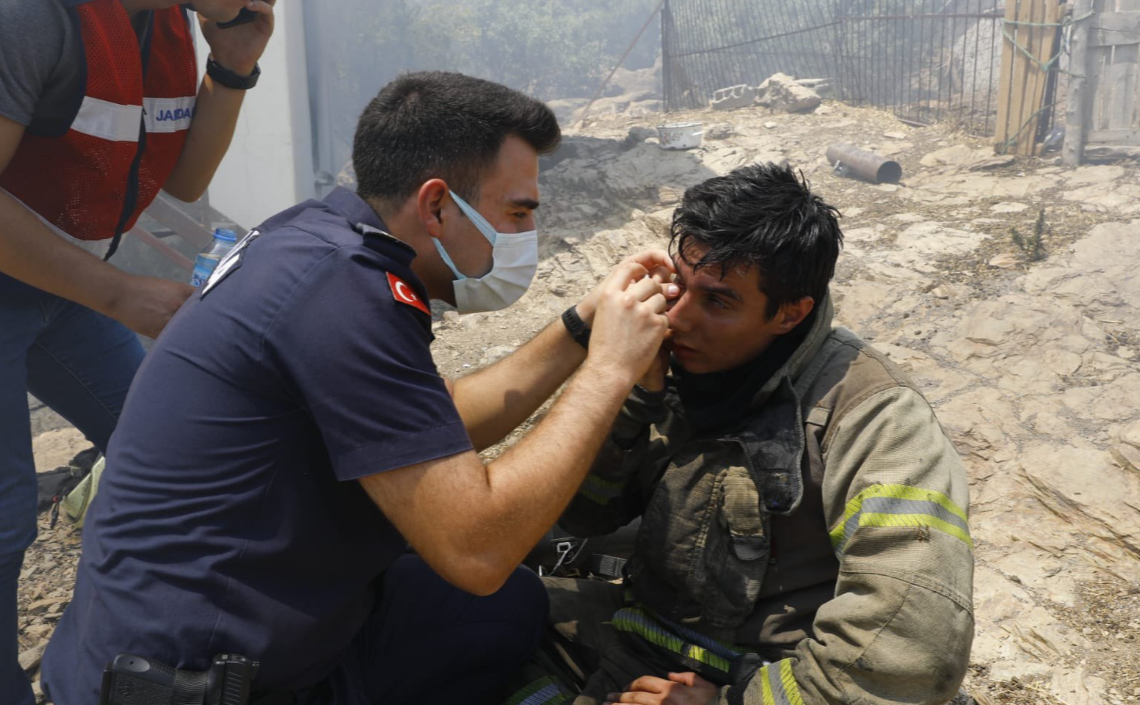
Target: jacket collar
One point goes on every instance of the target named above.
(803, 355)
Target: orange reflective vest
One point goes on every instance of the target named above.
(94, 179)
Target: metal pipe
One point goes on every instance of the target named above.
(602, 87)
(866, 165)
(935, 16)
(668, 90)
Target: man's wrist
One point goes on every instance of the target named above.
(607, 378)
(586, 309)
(241, 68)
(578, 329)
(226, 72)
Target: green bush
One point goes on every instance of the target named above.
(1032, 245)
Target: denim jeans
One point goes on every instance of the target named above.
(78, 362)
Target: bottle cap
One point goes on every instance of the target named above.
(225, 234)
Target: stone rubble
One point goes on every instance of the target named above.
(782, 93)
(733, 98)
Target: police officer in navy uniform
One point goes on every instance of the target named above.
(289, 435)
(100, 108)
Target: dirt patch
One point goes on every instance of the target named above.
(1108, 613)
(1015, 691)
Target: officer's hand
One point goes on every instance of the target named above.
(239, 48)
(659, 265)
(680, 689)
(629, 324)
(146, 304)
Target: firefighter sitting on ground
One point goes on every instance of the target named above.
(804, 535)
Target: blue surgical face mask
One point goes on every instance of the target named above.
(515, 260)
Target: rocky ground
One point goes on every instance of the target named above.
(1032, 366)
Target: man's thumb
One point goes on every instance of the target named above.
(688, 679)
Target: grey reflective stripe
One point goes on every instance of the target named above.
(893, 505)
(547, 690)
(848, 531)
(901, 506)
(548, 695)
(778, 691)
(778, 684)
(778, 694)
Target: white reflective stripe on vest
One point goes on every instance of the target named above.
(169, 114)
(108, 121)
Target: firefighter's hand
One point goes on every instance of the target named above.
(654, 378)
(679, 689)
(146, 304)
(239, 48)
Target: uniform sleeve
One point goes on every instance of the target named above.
(361, 364)
(608, 498)
(32, 36)
(901, 624)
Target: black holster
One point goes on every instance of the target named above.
(135, 680)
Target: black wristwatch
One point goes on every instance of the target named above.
(229, 79)
(577, 328)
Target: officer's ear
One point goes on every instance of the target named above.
(430, 200)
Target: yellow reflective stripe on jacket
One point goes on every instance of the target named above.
(600, 491)
(635, 620)
(778, 685)
(720, 648)
(544, 691)
(901, 505)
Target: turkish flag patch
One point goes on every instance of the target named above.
(405, 294)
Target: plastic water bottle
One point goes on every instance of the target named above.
(208, 258)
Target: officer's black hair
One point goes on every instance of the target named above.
(435, 124)
(762, 215)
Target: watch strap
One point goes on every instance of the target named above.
(577, 328)
(229, 79)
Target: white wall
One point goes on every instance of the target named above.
(270, 164)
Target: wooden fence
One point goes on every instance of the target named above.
(1103, 101)
(1028, 63)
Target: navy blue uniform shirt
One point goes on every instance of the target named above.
(230, 518)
